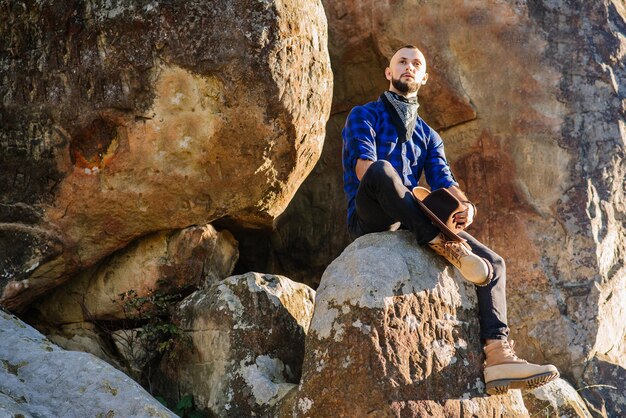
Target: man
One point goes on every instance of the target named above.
(386, 148)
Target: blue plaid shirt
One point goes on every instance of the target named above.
(370, 135)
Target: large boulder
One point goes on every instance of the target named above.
(395, 333)
(167, 261)
(39, 379)
(528, 97)
(122, 118)
(248, 344)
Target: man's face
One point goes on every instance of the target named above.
(407, 71)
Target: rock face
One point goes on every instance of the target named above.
(248, 343)
(190, 258)
(39, 379)
(556, 399)
(85, 337)
(528, 97)
(395, 333)
(603, 387)
(122, 118)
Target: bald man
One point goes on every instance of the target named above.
(386, 148)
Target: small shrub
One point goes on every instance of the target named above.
(184, 408)
(156, 336)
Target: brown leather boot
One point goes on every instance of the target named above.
(504, 370)
(473, 268)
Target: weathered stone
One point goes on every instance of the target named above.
(557, 399)
(603, 386)
(395, 333)
(10, 407)
(43, 380)
(248, 343)
(81, 337)
(544, 158)
(286, 405)
(122, 118)
(312, 231)
(190, 258)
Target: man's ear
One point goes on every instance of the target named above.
(425, 78)
(388, 73)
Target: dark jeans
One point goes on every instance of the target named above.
(384, 203)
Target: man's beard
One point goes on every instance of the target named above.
(403, 87)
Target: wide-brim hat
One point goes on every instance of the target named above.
(440, 206)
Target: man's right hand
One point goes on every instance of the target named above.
(361, 167)
(465, 218)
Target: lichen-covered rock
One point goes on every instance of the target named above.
(170, 260)
(395, 333)
(557, 399)
(248, 343)
(121, 118)
(603, 387)
(10, 407)
(39, 379)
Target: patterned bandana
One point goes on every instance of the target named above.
(403, 113)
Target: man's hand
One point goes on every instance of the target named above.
(465, 218)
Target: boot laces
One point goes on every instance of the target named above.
(508, 349)
(455, 250)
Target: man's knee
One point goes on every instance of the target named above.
(381, 169)
(499, 265)
(381, 165)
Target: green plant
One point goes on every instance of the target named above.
(153, 311)
(184, 408)
(154, 336)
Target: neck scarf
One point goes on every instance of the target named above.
(403, 113)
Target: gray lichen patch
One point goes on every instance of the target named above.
(266, 379)
(13, 368)
(153, 412)
(106, 385)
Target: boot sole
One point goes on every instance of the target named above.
(500, 387)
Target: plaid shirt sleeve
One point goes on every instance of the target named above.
(436, 168)
(359, 137)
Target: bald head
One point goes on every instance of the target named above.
(407, 71)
